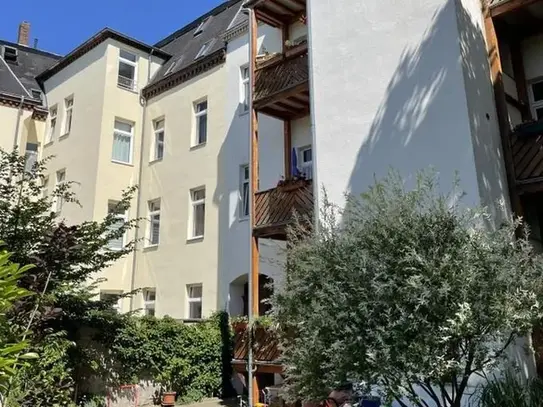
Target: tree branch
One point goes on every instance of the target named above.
(511, 338)
(430, 391)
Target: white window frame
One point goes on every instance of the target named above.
(121, 216)
(201, 26)
(150, 215)
(53, 113)
(59, 201)
(535, 105)
(203, 49)
(244, 183)
(124, 133)
(305, 167)
(31, 155)
(68, 115)
(116, 307)
(156, 142)
(194, 203)
(149, 304)
(127, 62)
(244, 89)
(191, 300)
(197, 118)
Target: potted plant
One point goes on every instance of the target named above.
(171, 379)
(292, 183)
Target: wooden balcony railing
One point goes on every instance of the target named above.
(265, 347)
(527, 149)
(276, 208)
(282, 84)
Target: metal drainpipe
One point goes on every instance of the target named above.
(251, 220)
(138, 194)
(17, 125)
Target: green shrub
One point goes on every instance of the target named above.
(512, 391)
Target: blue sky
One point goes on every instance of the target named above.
(61, 25)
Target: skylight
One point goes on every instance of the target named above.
(203, 50)
(201, 26)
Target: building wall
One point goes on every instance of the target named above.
(8, 120)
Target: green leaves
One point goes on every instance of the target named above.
(402, 288)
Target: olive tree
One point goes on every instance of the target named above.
(405, 289)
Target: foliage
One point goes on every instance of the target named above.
(406, 290)
(10, 347)
(511, 391)
(66, 259)
(189, 362)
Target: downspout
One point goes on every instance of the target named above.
(252, 52)
(18, 123)
(138, 181)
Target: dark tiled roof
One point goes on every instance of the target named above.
(94, 41)
(30, 62)
(184, 45)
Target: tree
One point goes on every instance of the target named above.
(409, 291)
(66, 258)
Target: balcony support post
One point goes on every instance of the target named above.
(255, 256)
(287, 129)
(496, 72)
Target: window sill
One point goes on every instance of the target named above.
(134, 91)
(195, 239)
(62, 137)
(150, 247)
(49, 143)
(198, 146)
(122, 163)
(243, 219)
(156, 160)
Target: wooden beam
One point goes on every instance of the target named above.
(284, 9)
(287, 147)
(268, 20)
(281, 95)
(509, 6)
(501, 108)
(255, 254)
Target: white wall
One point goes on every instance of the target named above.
(234, 242)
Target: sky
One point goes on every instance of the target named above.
(62, 25)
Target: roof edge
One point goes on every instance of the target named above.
(92, 43)
(31, 49)
(219, 9)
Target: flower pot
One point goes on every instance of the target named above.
(239, 326)
(529, 129)
(168, 398)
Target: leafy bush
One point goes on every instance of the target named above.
(186, 358)
(512, 391)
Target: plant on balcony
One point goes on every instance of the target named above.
(406, 290)
(292, 183)
(529, 128)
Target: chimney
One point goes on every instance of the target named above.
(35, 43)
(24, 33)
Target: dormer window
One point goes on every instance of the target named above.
(9, 54)
(203, 50)
(201, 26)
(36, 94)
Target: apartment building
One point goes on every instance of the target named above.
(22, 104)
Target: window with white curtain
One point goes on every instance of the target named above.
(200, 114)
(122, 142)
(68, 114)
(305, 160)
(31, 156)
(120, 219)
(149, 300)
(52, 124)
(158, 148)
(198, 215)
(59, 200)
(194, 301)
(153, 236)
(127, 70)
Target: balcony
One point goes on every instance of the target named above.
(278, 13)
(276, 208)
(527, 150)
(265, 348)
(282, 84)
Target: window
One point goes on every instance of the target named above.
(305, 155)
(127, 70)
(149, 299)
(158, 148)
(68, 107)
(53, 124)
(200, 112)
(245, 89)
(201, 26)
(537, 99)
(36, 94)
(45, 187)
(198, 216)
(194, 299)
(59, 200)
(122, 142)
(173, 65)
(203, 50)
(31, 156)
(114, 297)
(10, 54)
(116, 243)
(154, 222)
(244, 191)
